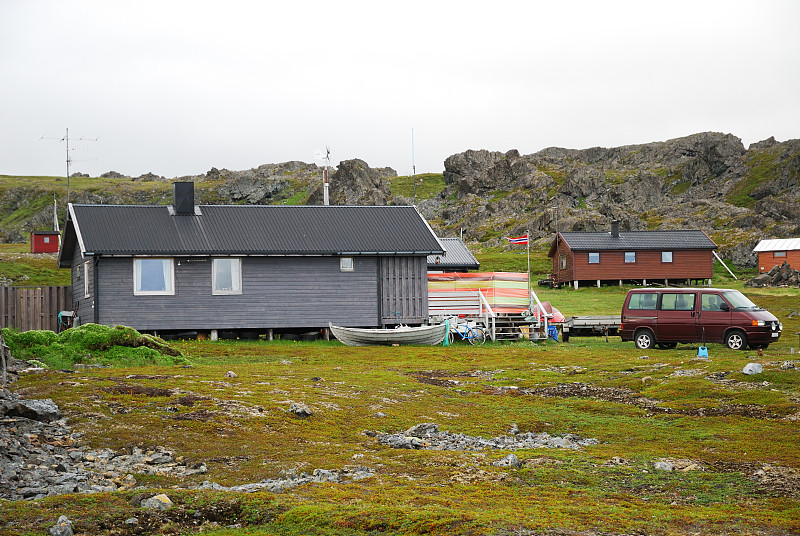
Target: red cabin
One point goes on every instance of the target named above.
(613, 257)
(45, 241)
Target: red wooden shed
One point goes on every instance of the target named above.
(777, 251)
(45, 241)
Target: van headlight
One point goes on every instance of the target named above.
(759, 323)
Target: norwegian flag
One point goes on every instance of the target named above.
(518, 239)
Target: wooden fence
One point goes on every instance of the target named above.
(27, 308)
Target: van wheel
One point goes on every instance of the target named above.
(667, 345)
(644, 339)
(736, 340)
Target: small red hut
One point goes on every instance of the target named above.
(45, 241)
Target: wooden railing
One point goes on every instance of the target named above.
(467, 303)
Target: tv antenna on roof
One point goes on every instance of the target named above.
(66, 139)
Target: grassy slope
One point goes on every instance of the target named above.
(243, 432)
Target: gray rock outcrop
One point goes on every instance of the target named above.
(428, 436)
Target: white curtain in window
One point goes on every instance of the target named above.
(227, 276)
(166, 269)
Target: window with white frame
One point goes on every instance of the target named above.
(563, 259)
(46, 239)
(778, 253)
(666, 256)
(86, 279)
(226, 276)
(346, 264)
(630, 257)
(594, 257)
(153, 277)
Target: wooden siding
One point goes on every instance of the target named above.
(565, 275)
(686, 264)
(85, 305)
(767, 260)
(404, 290)
(27, 308)
(277, 292)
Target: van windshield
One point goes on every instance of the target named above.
(738, 300)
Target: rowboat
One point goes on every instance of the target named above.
(423, 335)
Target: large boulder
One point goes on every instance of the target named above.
(355, 183)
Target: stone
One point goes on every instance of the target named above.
(157, 502)
(663, 466)
(428, 436)
(301, 410)
(753, 368)
(231, 374)
(787, 365)
(63, 527)
(509, 461)
(38, 410)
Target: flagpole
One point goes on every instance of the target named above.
(528, 244)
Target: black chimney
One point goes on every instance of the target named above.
(183, 198)
(614, 228)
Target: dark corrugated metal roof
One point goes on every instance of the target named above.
(456, 255)
(254, 230)
(638, 240)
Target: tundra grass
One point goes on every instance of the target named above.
(241, 428)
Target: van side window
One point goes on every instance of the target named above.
(643, 301)
(710, 302)
(677, 302)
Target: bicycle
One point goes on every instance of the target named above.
(467, 331)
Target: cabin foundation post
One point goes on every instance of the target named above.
(214, 335)
(598, 283)
(620, 282)
(269, 334)
(644, 282)
(575, 284)
(326, 334)
(666, 282)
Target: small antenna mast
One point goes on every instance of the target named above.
(325, 178)
(66, 139)
(413, 167)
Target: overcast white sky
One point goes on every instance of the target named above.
(175, 88)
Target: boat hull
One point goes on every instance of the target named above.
(422, 335)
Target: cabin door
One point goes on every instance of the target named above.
(404, 290)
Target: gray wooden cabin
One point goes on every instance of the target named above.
(257, 268)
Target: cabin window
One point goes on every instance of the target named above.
(643, 301)
(563, 259)
(778, 253)
(153, 277)
(346, 264)
(86, 279)
(226, 276)
(46, 239)
(594, 257)
(630, 257)
(666, 256)
(677, 302)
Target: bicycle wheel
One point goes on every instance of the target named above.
(477, 336)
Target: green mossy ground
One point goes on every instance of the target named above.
(728, 424)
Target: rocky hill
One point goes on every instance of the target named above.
(707, 181)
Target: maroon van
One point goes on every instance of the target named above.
(667, 316)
